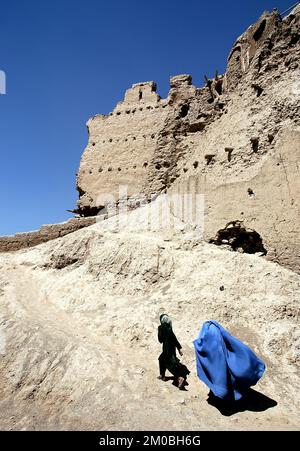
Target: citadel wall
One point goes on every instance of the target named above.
(121, 146)
(236, 140)
(46, 233)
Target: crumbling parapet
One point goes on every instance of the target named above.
(249, 46)
(45, 234)
(141, 93)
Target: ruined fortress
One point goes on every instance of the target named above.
(236, 140)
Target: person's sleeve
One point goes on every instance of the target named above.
(160, 335)
(177, 344)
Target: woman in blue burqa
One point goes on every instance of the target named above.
(167, 359)
(225, 364)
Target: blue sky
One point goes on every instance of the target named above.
(66, 60)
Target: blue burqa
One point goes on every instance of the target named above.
(225, 364)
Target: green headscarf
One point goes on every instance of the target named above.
(165, 320)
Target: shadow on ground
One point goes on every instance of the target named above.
(175, 382)
(253, 402)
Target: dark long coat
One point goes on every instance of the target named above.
(168, 357)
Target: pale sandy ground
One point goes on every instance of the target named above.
(78, 324)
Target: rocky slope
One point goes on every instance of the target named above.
(78, 323)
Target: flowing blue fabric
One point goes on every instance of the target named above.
(225, 364)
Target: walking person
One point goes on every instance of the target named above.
(226, 365)
(168, 359)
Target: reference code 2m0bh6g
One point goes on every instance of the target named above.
(137, 439)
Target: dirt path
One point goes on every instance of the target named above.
(127, 395)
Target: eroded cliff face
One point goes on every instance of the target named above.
(237, 141)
